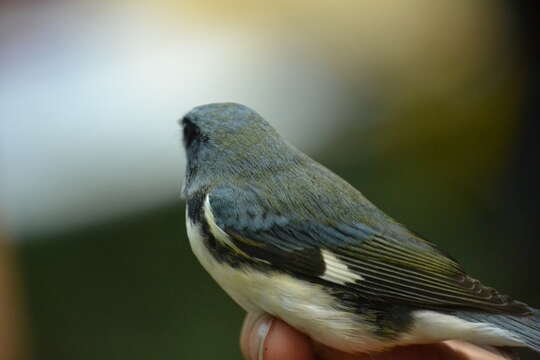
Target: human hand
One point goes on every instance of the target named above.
(273, 339)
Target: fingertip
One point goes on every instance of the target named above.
(267, 338)
(253, 334)
(283, 342)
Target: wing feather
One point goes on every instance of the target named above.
(381, 267)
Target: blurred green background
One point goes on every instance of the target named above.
(429, 108)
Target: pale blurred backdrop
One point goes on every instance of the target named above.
(429, 107)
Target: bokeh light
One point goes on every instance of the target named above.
(427, 107)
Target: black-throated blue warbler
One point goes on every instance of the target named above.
(284, 235)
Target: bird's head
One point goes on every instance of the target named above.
(228, 127)
(229, 139)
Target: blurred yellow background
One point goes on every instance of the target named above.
(428, 107)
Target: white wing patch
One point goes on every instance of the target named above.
(336, 271)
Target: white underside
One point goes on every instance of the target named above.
(309, 308)
(437, 326)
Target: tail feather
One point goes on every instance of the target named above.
(526, 329)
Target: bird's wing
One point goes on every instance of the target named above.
(349, 256)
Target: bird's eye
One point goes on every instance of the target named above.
(191, 132)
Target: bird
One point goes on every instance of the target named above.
(285, 236)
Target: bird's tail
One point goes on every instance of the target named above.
(527, 329)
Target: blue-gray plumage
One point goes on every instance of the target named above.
(286, 236)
